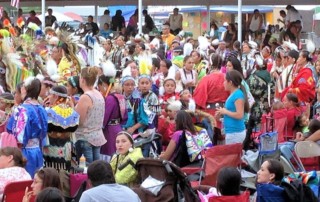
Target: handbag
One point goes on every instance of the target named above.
(197, 143)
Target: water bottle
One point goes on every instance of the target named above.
(82, 162)
(222, 126)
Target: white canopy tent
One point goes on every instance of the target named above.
(160, 2)
(140, 4)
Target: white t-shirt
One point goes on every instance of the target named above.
(109, 193)
(104, 19)
(293, 16)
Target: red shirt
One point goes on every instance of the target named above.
(210, 90)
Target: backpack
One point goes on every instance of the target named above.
(297, 191)
(181, 157)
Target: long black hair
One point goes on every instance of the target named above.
(277, 169)
(236, 78)
(184, 122)
(236, 64)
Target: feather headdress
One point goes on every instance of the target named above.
(52, 70)
(29, 80)
(126, 71)
(71, 40)
(187, 49)
(108, 68)
(311, 47)
(40, 77)
(175, 105)
(203, 45)
(289, 46)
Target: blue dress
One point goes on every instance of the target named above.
(29, 124)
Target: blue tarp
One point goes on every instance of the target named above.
(127, 11)
(226, 9)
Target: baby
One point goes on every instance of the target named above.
(313, 126)
(277, 105)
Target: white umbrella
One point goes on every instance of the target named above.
(60, 17)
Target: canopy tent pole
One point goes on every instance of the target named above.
(43, 11)
(140, 16)
(209, 18)
(240, 20)
(96, 12)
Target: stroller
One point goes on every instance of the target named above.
(167, 183)
(150, 145)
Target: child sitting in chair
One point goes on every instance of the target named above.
(228, 184)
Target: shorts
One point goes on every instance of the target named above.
(237, 137)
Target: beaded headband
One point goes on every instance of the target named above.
(57, 93)
(128, 135)
(126, 78)
(144, 76)
(7, 101)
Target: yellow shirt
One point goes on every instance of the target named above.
(168, 39)
(66, 69)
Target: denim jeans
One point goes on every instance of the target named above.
(89, 151)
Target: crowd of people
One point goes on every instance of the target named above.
(65, 96)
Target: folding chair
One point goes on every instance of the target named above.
(218, 157)
(287, 166)
(15, 191)
(307, 149)
(268, 147)
(244, 197)
(277, 122)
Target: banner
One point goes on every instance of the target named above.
(15, 3)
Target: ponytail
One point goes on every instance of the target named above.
(246, 102)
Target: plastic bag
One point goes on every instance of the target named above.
(153, 185)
